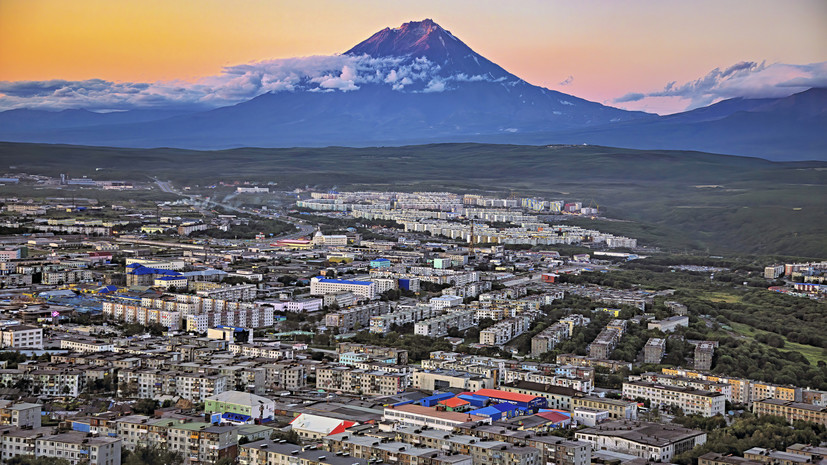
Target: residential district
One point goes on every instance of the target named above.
(123, 327)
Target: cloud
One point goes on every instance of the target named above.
(566, 81)
(747, 79)
(339, 73)
(630, 97)
(435, 85)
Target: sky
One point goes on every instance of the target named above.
(661, 56)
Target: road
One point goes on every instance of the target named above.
(304, 229)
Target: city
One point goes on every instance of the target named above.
(417, 232)
(371, 327)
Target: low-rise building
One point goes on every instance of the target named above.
(669, 324)
(240, 407)
(650, 441)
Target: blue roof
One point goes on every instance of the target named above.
(380, 260)
(140, 270)
(504, 407)
(235, 417)
(171, 278)
(343, 281)
(486, 411)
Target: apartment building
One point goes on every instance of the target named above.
(58, 278)
(685, 382)
(482, 451)
(604, 343)
(553, 449)
(434, 380)
(357, 317)
(389, 355)
(151, 383)
(618, 409)
(20, 415)
(77, 447)
(19, 441)
(505, 331)
(289, 376)
(320, 285)
(584, 361)
(269, 452)
(382, 324)
(691, 401)
(374, 383)
(439, 326)
(240, 292)
(653, 350)
(791, 410)
(21, 337)
(704, 351)
(350, 446)
(86, 345)
(197, 442)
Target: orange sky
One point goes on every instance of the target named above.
(609, 47)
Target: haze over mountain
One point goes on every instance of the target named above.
(419, 83)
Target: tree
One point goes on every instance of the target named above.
(145, 406)
(151, 455)
(29, 460)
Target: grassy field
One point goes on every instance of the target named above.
(721, 297)
(813, 354)
(679, 200)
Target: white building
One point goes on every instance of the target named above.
(87, 345)
(691, 401)
(445, 301)
(76, 447)
(21, 337)
(320, 286)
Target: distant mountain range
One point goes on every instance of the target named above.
(431, 87)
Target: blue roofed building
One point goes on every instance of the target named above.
(140, 275)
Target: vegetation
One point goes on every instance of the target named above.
(29, 460)
(142, 455)
(418, 347)
(749, 431)
(145, 406)
(670, 199)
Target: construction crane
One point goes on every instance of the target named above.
(471, 254)
(594, 205)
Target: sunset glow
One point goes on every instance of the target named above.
(596, 50)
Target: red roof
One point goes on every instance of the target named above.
(342, 427)
(454, 402)
(553, 416)
(497, 394)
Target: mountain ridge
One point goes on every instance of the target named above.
(418, 83)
